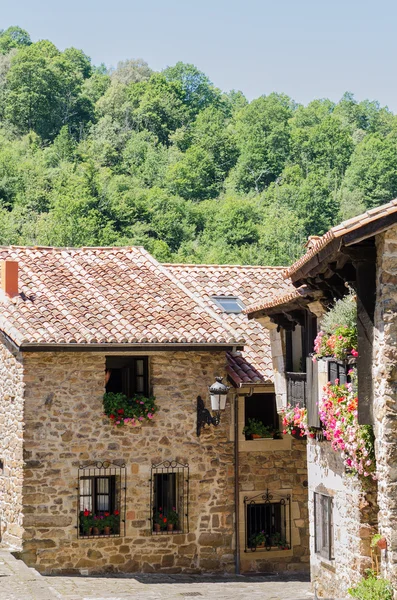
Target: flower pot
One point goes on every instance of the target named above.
(382, 544)
(156, 527)
(170, 527)
(255, 436)
(106, 530)
(95, 531)
(88, 531)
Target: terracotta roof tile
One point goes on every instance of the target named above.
(343, 228)
(251, 284)
(104, 295)
(277, 300)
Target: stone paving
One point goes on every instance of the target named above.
(19, 582)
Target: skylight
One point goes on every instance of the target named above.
(229, 304)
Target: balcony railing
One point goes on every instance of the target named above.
(296, 389)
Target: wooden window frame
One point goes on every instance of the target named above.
(323, 525)
(129, 374)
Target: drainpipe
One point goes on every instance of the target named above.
(236, 485)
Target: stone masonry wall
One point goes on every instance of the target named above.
(65, 427)
(354, 519)
(11, 439)
(279, 471)
(385, 396)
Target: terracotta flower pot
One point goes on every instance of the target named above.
(106, 530)
(95, 531)
(156, 527)
(382, 544)
(170, 527)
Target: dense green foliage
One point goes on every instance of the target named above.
(372, 588)
(91, 156)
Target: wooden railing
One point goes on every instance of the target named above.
(296, 389)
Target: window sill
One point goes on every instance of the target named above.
(263, 554)
(265, 444)
(99, 537)
(173, 532)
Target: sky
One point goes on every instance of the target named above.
(305, 48)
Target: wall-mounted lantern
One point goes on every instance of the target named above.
(218, 394)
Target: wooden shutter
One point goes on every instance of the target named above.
(337, 370)
(313, 418)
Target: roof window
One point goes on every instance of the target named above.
(229, 304)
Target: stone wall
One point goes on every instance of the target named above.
(354, 521)
(65, 427)
(11, 439)
(385, 396)
(281, 471)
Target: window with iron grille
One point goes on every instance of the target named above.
(323, 526)
(267, 522)
(169, 498)
(101, 500)
(127, 375)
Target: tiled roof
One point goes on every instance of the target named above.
(277, 300)
(344, 228)
(252, 285)
(104, 296)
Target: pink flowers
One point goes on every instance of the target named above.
(338, 414)
(295, 421)
(341, 343)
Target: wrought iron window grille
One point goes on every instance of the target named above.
(267, 519)
(169, 498)
(101, 489)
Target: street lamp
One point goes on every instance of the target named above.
(218, 395)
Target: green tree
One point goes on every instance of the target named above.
(197, 90)
(13, 37)
(43, 91)
(263, 138)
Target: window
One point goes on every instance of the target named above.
(267, 522)
(229, 304)
(169, 498)
(127, 375)
(101, 502)
(323, 526)
(262, 407)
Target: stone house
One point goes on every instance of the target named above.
(345, 511)
(75, 323)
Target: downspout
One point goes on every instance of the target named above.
(236, 485)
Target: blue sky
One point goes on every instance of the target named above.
(305, 48)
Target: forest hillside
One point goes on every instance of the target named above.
(96, 156)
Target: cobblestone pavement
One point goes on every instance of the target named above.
(19, 582)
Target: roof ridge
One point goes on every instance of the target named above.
(201, 265)
(67, 248)
(337, 231)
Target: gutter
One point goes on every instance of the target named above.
(126, 347)
(236, 486)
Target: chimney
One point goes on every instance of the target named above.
(312, 241)
(9, 277)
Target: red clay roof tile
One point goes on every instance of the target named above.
(251, 284)
(104, 295)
